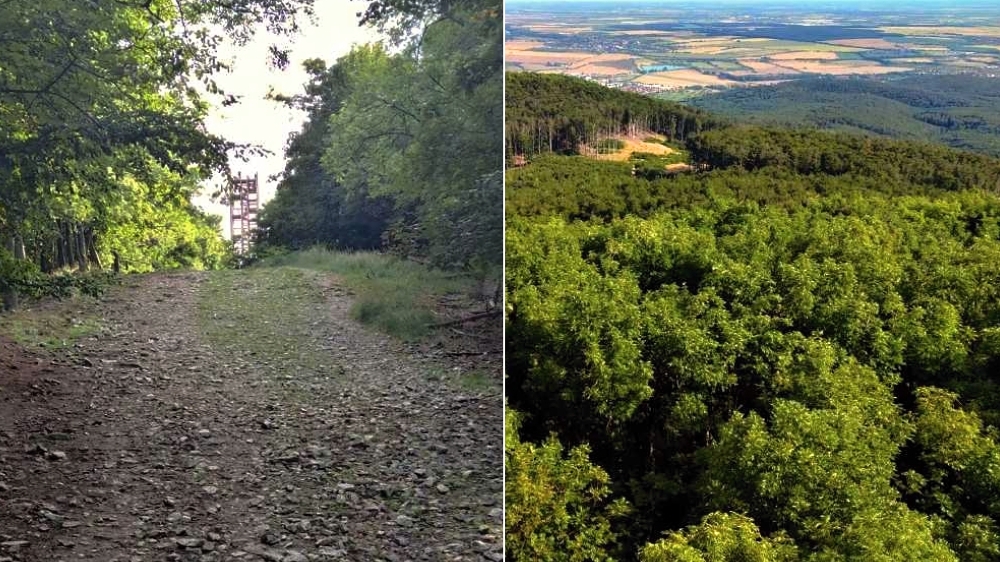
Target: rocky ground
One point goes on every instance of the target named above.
(206, 418)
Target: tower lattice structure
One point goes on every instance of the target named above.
(243, 205)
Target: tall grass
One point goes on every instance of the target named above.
(393, 295)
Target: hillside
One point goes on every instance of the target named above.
(554, 113)
(957, 110)
(758, 360)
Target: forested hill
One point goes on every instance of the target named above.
(788, 354)
(554, 113)
(958, 110)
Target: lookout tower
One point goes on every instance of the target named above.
(243, 205)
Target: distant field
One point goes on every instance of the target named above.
(528, 56)
(710, 48)
(545, 28)
(929, 30)
(805, 55)
(873, 43)
(841, 68)
(522, 45)
(914, 60)
(762, 67)
(682, 79)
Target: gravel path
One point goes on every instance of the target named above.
(151, 442)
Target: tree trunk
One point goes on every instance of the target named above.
(81, 249)
(70, 247)
(18, 251)
(95, 258)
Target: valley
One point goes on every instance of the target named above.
(679, 53)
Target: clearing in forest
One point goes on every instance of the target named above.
(629, 146)
(244, 415)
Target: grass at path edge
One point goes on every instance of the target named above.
(393, 295)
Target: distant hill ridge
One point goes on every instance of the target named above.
(553, 113)
(961, 111)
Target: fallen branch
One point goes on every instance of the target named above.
(477, 316)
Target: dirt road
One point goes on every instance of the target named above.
(205, 421)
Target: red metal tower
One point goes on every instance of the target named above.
(243, 204)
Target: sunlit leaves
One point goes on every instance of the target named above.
(422, 127)
(559, 509)
(721, 537)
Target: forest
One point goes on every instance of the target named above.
(787, 354)
(103, 141)
(552, 113)
(956, 110)
(101, 137)
(401, 150)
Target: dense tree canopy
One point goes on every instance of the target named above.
(403, 149)
(959, 110)
(102, 142)
(555, 113)
(788, 355)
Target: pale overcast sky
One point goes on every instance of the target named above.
(266, 123)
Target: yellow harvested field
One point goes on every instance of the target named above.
(703, 50)
(914, 60)
(842, 68)
(632, 145)
(609, 64)
(542, 57)
(804, 55)
(873, 43)
(684, 78)
(762, 67)
(931, 31)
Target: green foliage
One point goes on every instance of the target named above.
(957, 110)
(402, 150)
(102, 128)
(777, 343)
(721, 537)
(394, 295)
(558, 507)
(45, 329)
(22, 277)
(556, 113)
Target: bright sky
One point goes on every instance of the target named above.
(266, 123)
